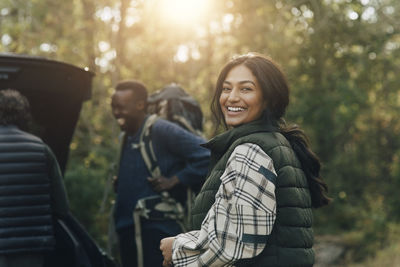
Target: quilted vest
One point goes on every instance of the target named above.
(25, 212)
(291, 240)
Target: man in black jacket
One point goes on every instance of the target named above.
(32, 192)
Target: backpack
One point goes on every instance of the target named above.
(174, 104)
(171, 103)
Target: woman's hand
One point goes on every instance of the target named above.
(166, 250)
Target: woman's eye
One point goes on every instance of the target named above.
(226, 89)
(246, 89)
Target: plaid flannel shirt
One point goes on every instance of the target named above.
(239, 222)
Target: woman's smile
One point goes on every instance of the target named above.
(241, 98)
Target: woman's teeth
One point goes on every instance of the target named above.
(235, 109)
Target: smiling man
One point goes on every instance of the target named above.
(181, 159)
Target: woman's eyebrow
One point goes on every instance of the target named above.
(242, 82)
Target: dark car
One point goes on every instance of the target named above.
(56, 92)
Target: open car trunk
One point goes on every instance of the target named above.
(55, 91)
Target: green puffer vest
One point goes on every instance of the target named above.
(291, 240)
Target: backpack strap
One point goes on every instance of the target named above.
(150, 159)
(186, 124)
(146, 147)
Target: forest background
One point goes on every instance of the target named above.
(342, 59)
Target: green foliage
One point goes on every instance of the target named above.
(372, 224)
(341, 57)
(389, 256)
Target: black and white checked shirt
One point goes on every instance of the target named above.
(239, 222)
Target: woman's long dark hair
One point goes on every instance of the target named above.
(309, 161)
(276, 94)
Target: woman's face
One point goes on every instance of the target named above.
(241, 99)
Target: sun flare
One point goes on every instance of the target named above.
(183, 11)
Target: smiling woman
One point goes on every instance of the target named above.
(255, 206)
(183, 11)
(241, 98)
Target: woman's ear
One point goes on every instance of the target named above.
(265, 105)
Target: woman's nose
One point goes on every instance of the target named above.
(233, 95)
